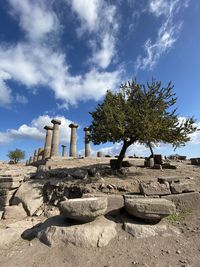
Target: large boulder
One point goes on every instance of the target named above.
(30, 194)
(155, 188)
(151, 209)
(94, 234)
(84, 209)
(80, 174)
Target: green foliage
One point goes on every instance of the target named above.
(140, 113)
(179, 216)
(16, 155)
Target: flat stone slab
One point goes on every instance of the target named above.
(154, 188)
(182, 187)
(83, 209)
(151, 209)
(171, 179)
(185, 201)
(9, 184)
(148, 230)
(94, 234)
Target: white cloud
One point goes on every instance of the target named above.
(98, 17)
(35, 130)
(5, 92)
(36, 17)
(21, 99)
(167, 33)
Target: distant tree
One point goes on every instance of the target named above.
(140, 113)
(16, 155)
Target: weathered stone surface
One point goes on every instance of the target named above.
(13, 232)
(183, 187)
(80, 174)
(115, 202)
(158, 159)
(152, 209)
(94, 234)
(155, 188)
(185, 201)
(14, 212)
(30, 195)
(9, 184)
(5, 197)
(148, 230)
(1, 214)
(11, 178)
(83, 209)
(125, 163)
(171, 179)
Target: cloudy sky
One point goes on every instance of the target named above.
(58, 58)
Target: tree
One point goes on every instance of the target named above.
(140, 113)
(16, 155)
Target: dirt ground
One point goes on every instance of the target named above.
(124, 250)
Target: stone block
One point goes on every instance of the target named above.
(155, 188)
(83, 209)
(158, 159)
(80, 174)
(9, 185)
(182, 187)
(170, 179)
(185, 201)
(151, 209)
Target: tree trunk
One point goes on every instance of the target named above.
(121, 155)
(151, 149)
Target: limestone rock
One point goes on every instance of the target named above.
(83, 209)
(80, 174)
(14, 212)
(182, 187)
(152, 209)
(30, 195)
(9, 184)
(155, 188)
(171, 179)
(94, 234)
(115, 202)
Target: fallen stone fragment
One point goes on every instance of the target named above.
(80, 174)
(14, 212)
(182, 187)
(151, 209)
(155, 188)
(171, 179)
(9, 184)
(84, 209)
(94, 234)
(185, 201)
(30, 195)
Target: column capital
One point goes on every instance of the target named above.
(86, 129)
(56, 121)
(63, 146)
(48, 127)
(73, 125)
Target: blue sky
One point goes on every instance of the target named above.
(58, 58)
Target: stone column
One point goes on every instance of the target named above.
(27, 162)
(31, 160)
(39, 153)
(64, 151)
(72, 152)
(100, 154)
(55, 138)
(87, 142)
(47, 145)
(35, 155)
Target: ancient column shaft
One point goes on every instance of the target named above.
(47, 145)
(72, 152)
(55, 138)
(35, 155)
(87, 142)
(64, 151)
